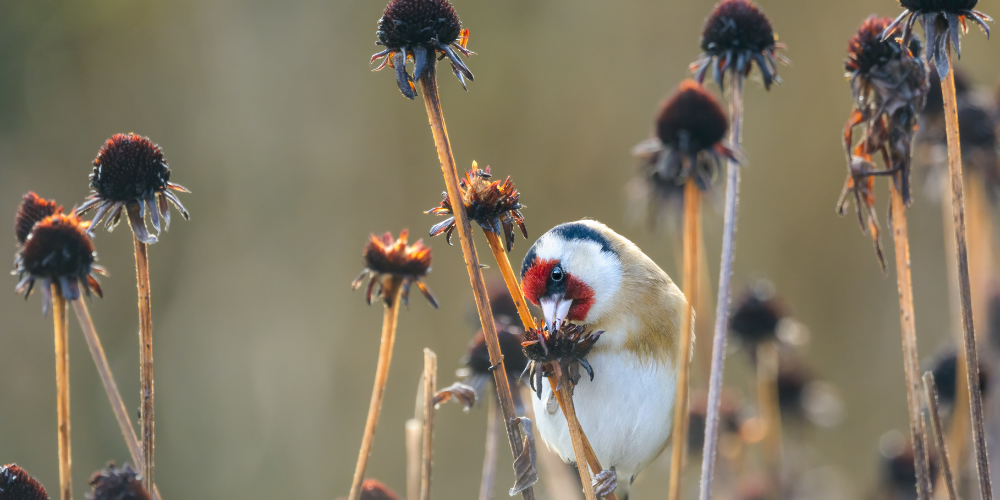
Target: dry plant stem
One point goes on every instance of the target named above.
(427, 455)
(146, 414)
(768, 404)
(911, 360)
(490, 455)
(414, 441)
(692, 230)
(725, 283)
(435, 115)
(968, 328)
(389, 320)
(568, 408)
(61, 326)
(108, 380)
(576, 435)
(930, 391)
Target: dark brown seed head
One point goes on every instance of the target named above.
(978, 128)
(935, 101)
(756, 316)
(944, 366)
(387, 255)
(32, 210)
(691, 120)
(58, 247)
(867, 49)
(418, 23)
(372, 489)
(737, 25)
(928, 6)
(477, 357)
(494, 205)
(17, 484)
(566, 348)
(129, 167)
(113, 483)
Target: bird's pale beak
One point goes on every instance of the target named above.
(555, 309)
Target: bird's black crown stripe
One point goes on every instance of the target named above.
(570, 231)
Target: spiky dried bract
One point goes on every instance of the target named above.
(494, 205)
(757, 314)
(130, 174)
(17, 484)
(389, 263)
(421, 30)
(373, 489)
(943, 21)
(688, 142)
(565, 349)
(889, 87)
(113, 483)
(737, 34)
(58, 250)
(31, 211)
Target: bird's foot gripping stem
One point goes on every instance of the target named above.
(605, 482)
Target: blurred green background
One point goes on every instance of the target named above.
(295, 152)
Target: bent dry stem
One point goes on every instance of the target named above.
(965, 292)
(61, 327)
(389, 320)
(911, 360)
(564, 398)
(930, 391)
(692, 238)
(435, 115)
(108, 380)
(146, 414)
(725, 284)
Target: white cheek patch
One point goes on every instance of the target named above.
(584, 259)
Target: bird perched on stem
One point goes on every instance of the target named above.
(584, 272)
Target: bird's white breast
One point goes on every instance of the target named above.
(626, 411)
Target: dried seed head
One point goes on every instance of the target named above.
(923, 6)
(391, 263)
(17, 484)
(32, 210)
(935, 101)
(58, 250)
(494, 205)
(692, 120)
(737, 25)
(756, 316)
(566, 348)
(372, 489)
(867, 50)
(412, 23)
(477, 357)
(113, 483)
(944, 365)
(130, 174)
(978, 128)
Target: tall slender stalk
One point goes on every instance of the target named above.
(769, 407)
(435, 115)
(427, 455)
(389, 320)
(911, 360)
(146, 413)
(108, 380)
(930, 391)
(564, 398)
(490, 454)
(60, 323)
(692, 230)
(725, 285)
(965, 292)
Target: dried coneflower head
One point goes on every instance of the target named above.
(757, 315)
(372, 489)
(17, 484)
(737, 34)
(478, 371)
(943, 21)
(421, 30)
(567, 347)
(58, 250)
(889, 87)
(32, 210)
(690, 129)
(113, 483)
(390, 263)
(944, 365)
(934, 105)
(130, 174)
(898, 474)
(494, 205)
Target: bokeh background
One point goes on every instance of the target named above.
(295, 152)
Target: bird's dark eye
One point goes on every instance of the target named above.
(557, 273)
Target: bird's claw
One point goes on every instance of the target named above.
(605, 482)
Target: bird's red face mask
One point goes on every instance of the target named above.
(561, 295)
